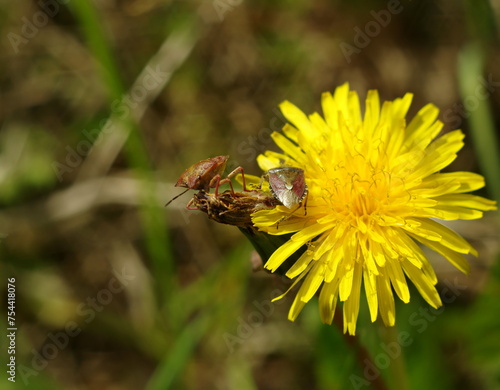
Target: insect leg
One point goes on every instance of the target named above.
(189, 204)
(216, 182)
(233, 173)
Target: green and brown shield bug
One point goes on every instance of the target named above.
(288, 185)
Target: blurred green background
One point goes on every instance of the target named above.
(105, 103)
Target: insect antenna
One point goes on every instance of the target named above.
(175, 197)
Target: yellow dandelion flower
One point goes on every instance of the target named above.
(374, 194)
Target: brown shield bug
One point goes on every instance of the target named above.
(199, 176)
(206, 174)
(288, 185)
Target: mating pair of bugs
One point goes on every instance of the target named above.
(287, 184)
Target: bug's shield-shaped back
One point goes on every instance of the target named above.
(288, 185)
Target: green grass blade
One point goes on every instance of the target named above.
(151, 214)
(174, 362)
(470, 71)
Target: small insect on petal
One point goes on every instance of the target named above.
(288, 185)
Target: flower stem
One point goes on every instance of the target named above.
(397, 368)
(362, 355)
